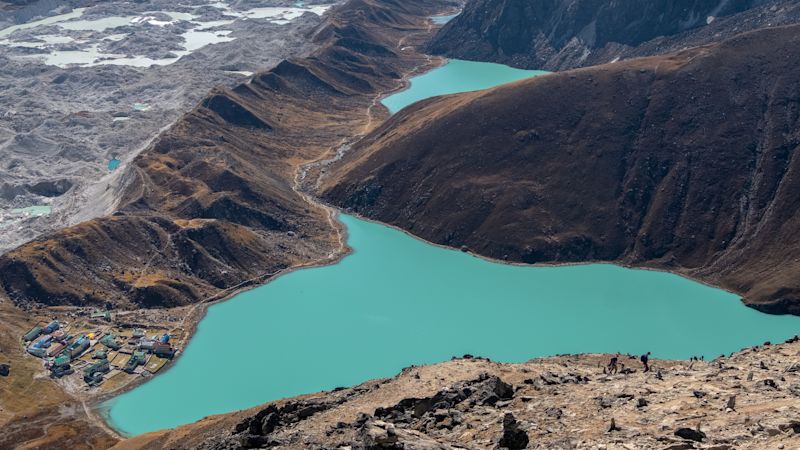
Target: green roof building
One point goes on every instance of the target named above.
(33, 334)
(62, 360)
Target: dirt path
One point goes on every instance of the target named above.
(430, 63)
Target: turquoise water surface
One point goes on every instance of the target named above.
(398, 301)
(113, 164)
(36, 210)
(441, 20)
(456, 76)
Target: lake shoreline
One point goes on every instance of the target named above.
(344, 233)
(331, 313)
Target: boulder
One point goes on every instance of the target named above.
(550, 378)
(493, 390)
(731, 403)
(253, 441)
(554, 412)
(680, 446)
(269, 422)
(513, 437)
(690, 434)
(5, 369)
(793, 425)
(605, 402)
(376, 434)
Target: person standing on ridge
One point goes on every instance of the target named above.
(645, 360)
(612, 364)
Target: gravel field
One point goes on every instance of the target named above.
(87, 87)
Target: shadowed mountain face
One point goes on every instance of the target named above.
(212, 204)
(686, 162)
(564, 34)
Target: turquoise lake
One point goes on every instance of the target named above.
(113, 164)
(456, 76)
(398, 301)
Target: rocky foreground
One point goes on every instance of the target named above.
(750, 400)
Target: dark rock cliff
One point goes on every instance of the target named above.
(686, 162)
(564, 34)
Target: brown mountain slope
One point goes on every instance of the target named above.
(212, 205)
(686, 162)
(565, 34)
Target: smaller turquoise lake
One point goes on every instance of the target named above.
(113, 164)
(398, 301)
(456, 76)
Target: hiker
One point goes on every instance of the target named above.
(612, 364)
(645, 359)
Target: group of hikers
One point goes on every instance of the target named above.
(615, 364)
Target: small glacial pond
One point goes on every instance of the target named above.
(398, 301)
(35, 211)
(114, 164)
(77, 12)
(441, 20)
(12, 217)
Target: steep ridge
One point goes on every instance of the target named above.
(686, 162)
(565, 34)
(747, 400)
(213, 205)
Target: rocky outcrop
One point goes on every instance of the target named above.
(212, 205)
(686, 162)
(690, 434)
(52, 188)
(557, 402)
(564, 34)
(256, 431)
(378, 431)
(513, 437)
